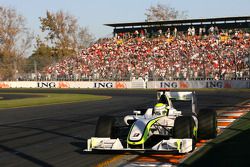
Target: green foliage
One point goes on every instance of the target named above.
(40, 58)
(61, 31)
(64, 35)
(15, 40)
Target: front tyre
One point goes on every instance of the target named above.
(184, 128)
(104, 127)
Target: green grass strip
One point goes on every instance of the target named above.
(231, 148)
(48, 99)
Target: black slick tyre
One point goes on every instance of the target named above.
(207, 124)
(104, 127)
(183, 127)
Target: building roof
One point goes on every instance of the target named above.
(183, 22)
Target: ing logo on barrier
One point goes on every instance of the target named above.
(46, 84)
(120, 85)
(214, 84)
(227, 85)
(103, 85)
(184, 84)
(168, 85)
(4, 85)
(63, 85)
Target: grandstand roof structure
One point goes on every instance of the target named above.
(183, 25)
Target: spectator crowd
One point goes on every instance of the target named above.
(190, 55)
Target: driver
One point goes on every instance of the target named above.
(160, 109)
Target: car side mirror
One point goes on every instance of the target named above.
(136, 112)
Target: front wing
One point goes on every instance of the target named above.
(107, 144)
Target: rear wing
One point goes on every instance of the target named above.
(175, 95)
(180, 95)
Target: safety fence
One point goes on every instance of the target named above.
(135, 84)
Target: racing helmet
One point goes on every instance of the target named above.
(160, 109)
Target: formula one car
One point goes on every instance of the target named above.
(161, 128)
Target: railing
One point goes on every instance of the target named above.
(74, 78)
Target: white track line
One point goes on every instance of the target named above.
(235, 113)
(226, 120)
(228, 114)
(222, 127)
(149, 164)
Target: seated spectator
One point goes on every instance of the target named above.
(178, 56)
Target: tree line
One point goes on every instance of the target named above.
(62, 37)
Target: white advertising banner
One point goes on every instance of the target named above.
(66, 84)
(199, 84)
(127, 85)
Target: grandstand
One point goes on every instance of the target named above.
(198, 49)
(241, 22)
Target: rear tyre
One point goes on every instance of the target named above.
(207, 124)
(104, 127)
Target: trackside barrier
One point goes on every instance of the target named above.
(199, 84)
(128, 84)
(138, 83)
(66, 84)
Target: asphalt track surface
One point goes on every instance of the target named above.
(55, 135)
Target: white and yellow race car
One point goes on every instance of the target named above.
(160, 128)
